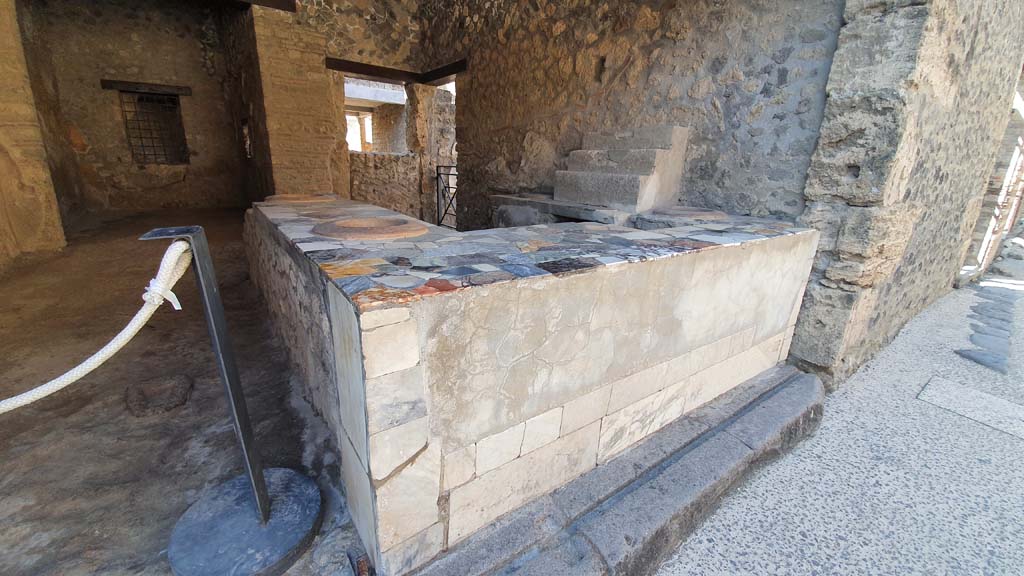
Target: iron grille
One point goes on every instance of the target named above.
(156, 134)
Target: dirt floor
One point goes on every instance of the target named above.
(86, 486)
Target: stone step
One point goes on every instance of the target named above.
(660, 137)
(622, 191)
(639, 161)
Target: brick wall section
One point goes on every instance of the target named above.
(748, 77)
(299, 103)
(29, 217)
(917, 99)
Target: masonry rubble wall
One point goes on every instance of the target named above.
(29, 214)
(391, 181)
(917, 101)
(747, 77)
(389, 127)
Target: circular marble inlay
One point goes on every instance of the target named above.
(370, 228)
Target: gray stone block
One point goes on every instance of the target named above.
(996, 362)
(642, 161)
(568, 555)
(990, 330)
(782, 417)
(620, 191)
(1002, 312)
(636, 530)
(996, 344)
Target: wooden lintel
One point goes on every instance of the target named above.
(124, 86)
(286, 5)
(371, 71)
(444, 74)
(435, 77)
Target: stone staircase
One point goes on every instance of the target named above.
(633, 171)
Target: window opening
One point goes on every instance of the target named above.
(153, 125)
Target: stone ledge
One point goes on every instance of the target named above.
(628, 515)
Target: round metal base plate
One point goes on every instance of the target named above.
(221, 532)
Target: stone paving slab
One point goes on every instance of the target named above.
(626, 516)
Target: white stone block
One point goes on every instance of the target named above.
(481, 501)
(459, 467)
(622, 429)
(542, 430)
(407, 503)
(585, 409)
(395, 399)
(393, 447)
(499, 448)
(359, 496)
(377, 318)
(390, 348)
(637, 387)
(412, 553)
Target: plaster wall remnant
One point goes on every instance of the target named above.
(747, 77)
(73, 45)
(29, 216)
(917, 102)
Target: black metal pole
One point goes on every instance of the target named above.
(213, 307)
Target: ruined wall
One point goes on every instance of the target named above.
(918, 97)
(748, 77)
(383, 32)
(244, 92)
(389, 122)
(29, 217)
(138, 41)
(388, 180)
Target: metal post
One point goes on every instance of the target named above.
(214, 309)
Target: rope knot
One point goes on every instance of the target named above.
(156, 293)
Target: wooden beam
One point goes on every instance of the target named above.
(123, 86)
(435, 77)
(371, 71)
(444, 74)
(286, 5)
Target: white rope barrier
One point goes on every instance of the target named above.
(173, 266)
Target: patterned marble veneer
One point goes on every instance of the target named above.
(465, 374)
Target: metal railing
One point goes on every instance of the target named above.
(447, 186)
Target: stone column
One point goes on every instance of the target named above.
(29, 214)
(299, 97)
(896, 182)
(420, 139)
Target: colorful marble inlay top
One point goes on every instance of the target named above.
(379, 272)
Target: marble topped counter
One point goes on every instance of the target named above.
(379, 273)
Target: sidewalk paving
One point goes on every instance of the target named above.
(918, 468)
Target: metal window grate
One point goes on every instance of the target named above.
(155, 131)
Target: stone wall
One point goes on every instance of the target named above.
(29, 216)
(917, 99)
(389, 129)
(748, 77)
(391, 181)
(74, 45)
(382, 32)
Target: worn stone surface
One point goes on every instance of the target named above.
(896, 182)
(747, 78)
(158, 395)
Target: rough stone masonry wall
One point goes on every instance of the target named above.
(918, 96)
(391, 181)
(382, 32)
(389, 123)
(29, 218)
(138, 41)
(748, 77)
